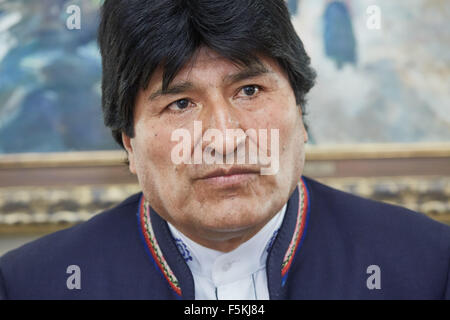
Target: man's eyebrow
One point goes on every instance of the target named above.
(172, 89)
(251, 71)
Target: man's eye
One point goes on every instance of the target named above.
(179, 105)
(250, 91)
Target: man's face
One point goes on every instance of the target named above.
(208, 202)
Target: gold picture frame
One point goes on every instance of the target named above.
(49, 191)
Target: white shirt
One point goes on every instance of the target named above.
(236, 275)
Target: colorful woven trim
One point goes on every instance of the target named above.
(155, 250)
(303, 204)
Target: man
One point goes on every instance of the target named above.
(178, 77)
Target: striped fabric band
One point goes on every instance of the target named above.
(155, 250)
(303, 204)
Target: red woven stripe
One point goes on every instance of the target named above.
(152, 251)
(302, 227)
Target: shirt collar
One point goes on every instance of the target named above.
(222, 268)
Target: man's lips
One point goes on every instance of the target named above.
(223, 172)
(223, 177)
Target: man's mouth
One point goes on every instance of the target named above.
(228, 177)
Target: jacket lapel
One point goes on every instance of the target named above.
(164, 252)
(288, 242)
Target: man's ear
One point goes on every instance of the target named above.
(126, 140)
(305, 132)
(304, 127)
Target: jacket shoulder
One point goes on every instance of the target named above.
(69, 238)
(412, 250)
(87, 244)
(360, 212)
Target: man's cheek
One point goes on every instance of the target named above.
(157, 150)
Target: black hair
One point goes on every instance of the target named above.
(138, 36)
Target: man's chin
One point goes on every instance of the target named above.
(229, 217)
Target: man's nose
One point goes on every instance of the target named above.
(222, 121)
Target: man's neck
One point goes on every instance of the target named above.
(224, 241)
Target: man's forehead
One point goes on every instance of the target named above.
(204, 54)
(207, 60)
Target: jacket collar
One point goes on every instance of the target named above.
(164, 253)
(288, 242)
(223, 268)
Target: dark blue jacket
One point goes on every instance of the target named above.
(338, 246)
